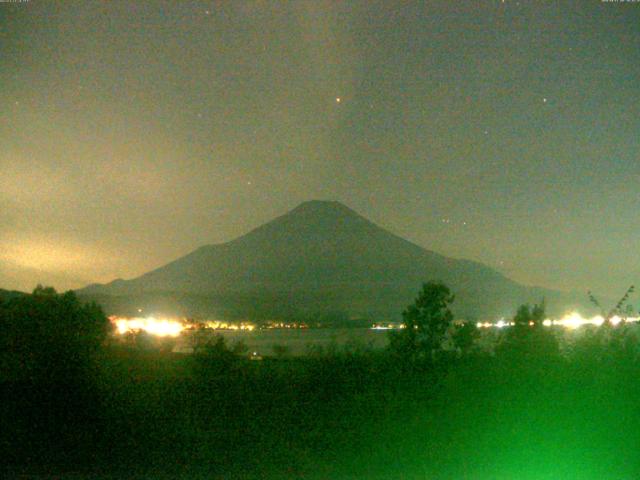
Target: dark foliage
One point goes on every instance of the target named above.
(465, 336)
(49, 348)
(426, 322)
(528, 338)
(622, 308)
(49, 335)
(82, 406)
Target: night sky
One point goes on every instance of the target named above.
(500, 131)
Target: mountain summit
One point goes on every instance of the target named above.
(320, 257)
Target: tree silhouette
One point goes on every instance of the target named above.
(464, 336)
(527, 315)
(527, 337)
(522, 316)
(426, 322)
(621, 308)
(538, 313)
(49, 334)
(50, 345)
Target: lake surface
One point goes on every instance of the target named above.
(304, 341)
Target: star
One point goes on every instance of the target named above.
(544, 100)
(338, 99)
(207, 12)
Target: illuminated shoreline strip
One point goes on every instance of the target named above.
(571, 321)
(164, 327)
(216, 325)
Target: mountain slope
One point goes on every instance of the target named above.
(320, 257)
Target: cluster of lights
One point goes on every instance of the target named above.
(571, 320)
(499, 324)
(272, 325)
(171, 327)
(154, 326)
(387, 326)
(216, 325)
(164, 327)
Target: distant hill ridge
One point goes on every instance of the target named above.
(320, 257)
(9, 294)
